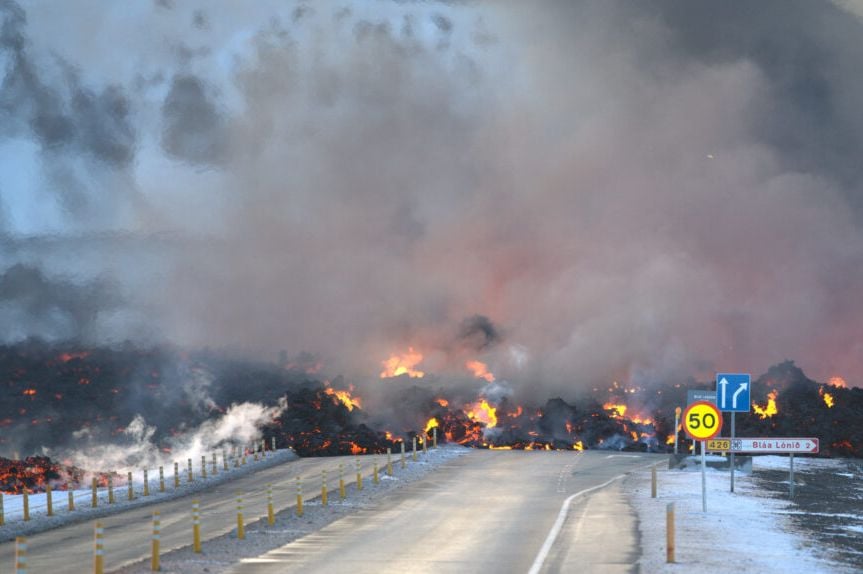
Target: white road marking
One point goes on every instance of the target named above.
(561, 518)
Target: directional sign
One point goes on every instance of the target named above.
(732, 392)
(702, 420)
(775, 445)
(693, 395)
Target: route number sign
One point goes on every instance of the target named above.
(702, 420)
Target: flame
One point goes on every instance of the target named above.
(484, 413)
(403, 365)
(578, 446)
(431, 424)
(770, 409)
(669, 439)
(66, 357)
(837, 382)
(480, 370)
(828, 397)
(639, 420)
(505, 447)
(620, 410)
(30, 392)
(442, 402)
(345, 398)
(517, 413)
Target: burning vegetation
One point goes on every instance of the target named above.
(58, 397)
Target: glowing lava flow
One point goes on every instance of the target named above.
(837, 382)
(345, 398)
(403, 365)
(770, 409)
(483, 412)
(828, 397)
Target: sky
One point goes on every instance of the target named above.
(571, 192)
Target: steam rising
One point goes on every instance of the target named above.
(618, 188)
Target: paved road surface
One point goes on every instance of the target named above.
(489, 511)
(127, 534)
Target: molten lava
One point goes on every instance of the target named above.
(431, 424)
(837, 382)
(345, 397)
(484, 413)
(403, 365)
(827, 397)
(770, 409)
(619, 411)
(480, 370)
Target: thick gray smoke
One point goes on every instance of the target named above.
(570, 192)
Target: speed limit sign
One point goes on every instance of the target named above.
(702, 420)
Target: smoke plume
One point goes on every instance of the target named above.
(639, 191)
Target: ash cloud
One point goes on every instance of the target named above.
(629, 191)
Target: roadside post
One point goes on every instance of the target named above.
(702, 421)
(733, 396)
(676, 426)
(20, 555)
(156, 540)
(196, 524)
(791, 474)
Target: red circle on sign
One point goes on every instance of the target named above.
(701, 406)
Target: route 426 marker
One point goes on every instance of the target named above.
(702, 420)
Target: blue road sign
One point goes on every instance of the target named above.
(732, 392)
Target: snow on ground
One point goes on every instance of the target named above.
(13, 505)
(745, 531)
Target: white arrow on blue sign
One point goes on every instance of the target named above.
(732, 392)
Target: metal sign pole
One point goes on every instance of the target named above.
(676, 427)
(733, 415)
(791, 473)
(703, 480)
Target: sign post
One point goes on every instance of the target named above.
(702, 421)
(732, 395)
(676, 426)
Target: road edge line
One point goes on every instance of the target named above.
(561, 518)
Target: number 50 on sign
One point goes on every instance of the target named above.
(702, 420)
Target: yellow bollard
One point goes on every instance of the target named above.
(26, 502)
(403, 453)
(375, 474)
(263, 448)
(130, 487)
(176, 475)
(669, 533)
(273, 443)
(20, 555)
(110, 489)
(154, 554)
(434, 437)
(189, 474)
(653, 481)
(146, 484)
(359, 476)
(161, 479)
(241, 528)
(243, 462)
(389, 461)
(95, 497)
(98, 549)
(425, 447)
(299, 497)
(215, 465)
(323, 488)
(2, 514)
(255, 452)
(49, 500)
(70, 503)
(224, 461)
(342, 493)
(271, 515)
(204, 466)
(196, 526)
(414, 449)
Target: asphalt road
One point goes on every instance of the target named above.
(127, 534)
(489, 511)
